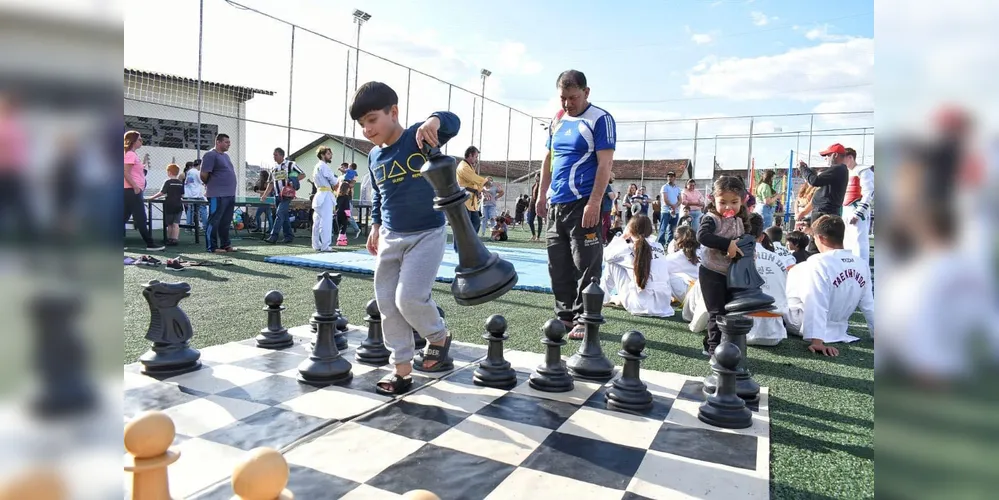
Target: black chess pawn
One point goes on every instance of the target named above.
(372, 350)
(628, 392)
(325, 366)
(170, 331)
(745, 282)
(494, 371)
(589, 362)
(734, 328)
(60, 357)
(481, 275)
(552, 376)
(274, 336)
(421, 342)
(724, 408)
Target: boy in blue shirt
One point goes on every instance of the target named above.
(404, 224)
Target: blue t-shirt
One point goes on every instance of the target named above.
(607, 204)
(349, 175)
(222, 176)
(575, 140)
(402, 200)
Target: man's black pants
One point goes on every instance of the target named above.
(714, 289)
(575, 257)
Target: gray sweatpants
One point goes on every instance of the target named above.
(405, 269)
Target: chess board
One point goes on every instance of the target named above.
(447, 434)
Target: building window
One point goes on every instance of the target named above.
(174, 134)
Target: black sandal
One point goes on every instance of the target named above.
(438, 353)
(399, 385)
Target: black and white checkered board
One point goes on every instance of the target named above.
(447, 435)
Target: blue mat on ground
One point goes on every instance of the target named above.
(531, 264)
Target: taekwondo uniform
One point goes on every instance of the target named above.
(769, 331)
(682, 274)
(323, 204)
(785, 255)
(824, 291)
(619, 276)
(857, 202)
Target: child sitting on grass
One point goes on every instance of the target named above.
(407, 235)
(499, 229)
(173, 189)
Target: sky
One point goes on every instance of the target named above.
(644, 60)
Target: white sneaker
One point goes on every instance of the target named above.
(155, 249)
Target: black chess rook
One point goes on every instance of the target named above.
(724, 408)
(325, 366)
(590, 362)
(274, 336)
(552, 376)
(481, 275)
(169, 330)
(494, 371)
(628, 392)
(734, 328)
(372, 350)
(60, 357)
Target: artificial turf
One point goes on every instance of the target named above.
(821, 409)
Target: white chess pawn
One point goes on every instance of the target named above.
(147, 439)
(420, 495)
(262, 475)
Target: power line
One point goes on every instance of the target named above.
(680, 99)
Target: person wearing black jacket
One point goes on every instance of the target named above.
(831, 184)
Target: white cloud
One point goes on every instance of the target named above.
(821, 33)
(815, 74)
(701, 38)
(761, 19)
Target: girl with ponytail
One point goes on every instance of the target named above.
(635, 275)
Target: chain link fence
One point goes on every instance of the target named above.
(288, 86)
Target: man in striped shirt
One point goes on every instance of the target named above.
(281, 175)
(574, 178)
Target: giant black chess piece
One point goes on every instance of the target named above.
(745, 282)
(481, 275)
(169, 330)
(734, 328)
(274, 336)
(338, 336)
(372, 350)
(494, 371)
(552, 376)
(589, 362)
(60, 357)
(628, 392)
(724, 408)
(325, 366)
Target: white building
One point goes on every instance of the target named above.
(164, 109)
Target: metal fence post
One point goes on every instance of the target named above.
(693, 162)
(449, 86)
(291, 80)
(409, 78)
(645, 139)
(201, 44)
(749, 161)
(811, 128)
(506, 174)
(346, 110)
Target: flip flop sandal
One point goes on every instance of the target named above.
(577, 333)
(397, 385)
(438, 353)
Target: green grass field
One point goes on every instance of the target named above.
(821, 409)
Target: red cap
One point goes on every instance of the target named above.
(835, 148)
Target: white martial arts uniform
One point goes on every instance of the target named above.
(618, 279)
(682, 274)
(323, 205)
(785, 255)
(770, 331)
(857, 202)
(824, 291)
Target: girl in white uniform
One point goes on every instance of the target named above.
(323, 202)
(635, 274)
(682, 263)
